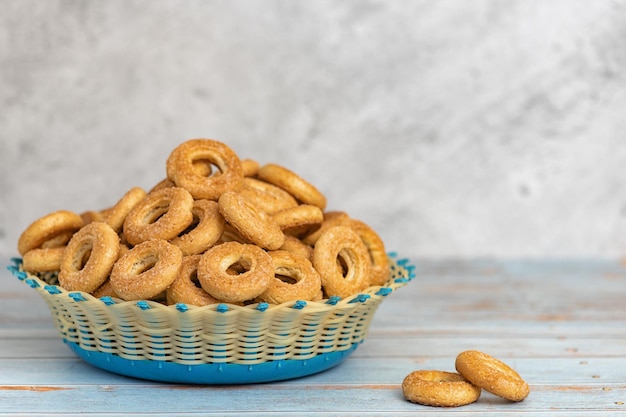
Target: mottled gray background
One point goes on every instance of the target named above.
(455, 128)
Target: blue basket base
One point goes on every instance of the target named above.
(211, 374)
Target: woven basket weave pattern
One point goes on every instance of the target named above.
(221, 333)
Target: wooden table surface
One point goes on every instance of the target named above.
(560, 324)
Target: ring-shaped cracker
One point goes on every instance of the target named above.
(43, 259)
(295, 245)
(376, 249)
(105, 290)
(200, 167)
(253, 271)
(331, 218)
(116, 215)
(289, 181)
(300, 220)
(375, 246)
(184, 288)
(491, 375)
(250, 167)
(89, 257)
(206, 228)
(162, 214)
(289, 266)
(146, 270)
(252, 223)
(231, 234)
(180, 168)
(90, 216)
(339, 248)
(268, 197)
(59, 240)
(439, 389)
(48, 227)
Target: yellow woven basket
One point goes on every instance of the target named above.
(215, 344)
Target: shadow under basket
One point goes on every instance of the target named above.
(214, 344)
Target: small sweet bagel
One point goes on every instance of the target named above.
(202, 167)
(43, 259)
(235, 272)
(298, 247)
(180, 168)
(331, 218)
(231, 234)
(116, 215)
(289, 181)
(250, 167)
(48, 227)
(89, 257)
(252, 223)
(300, 220)
(339, 248)
(91, 216)
(162, 214)
(439, 389)
(205, 230)
(184, 289)
(289, 266)
(374, 244)
(267, 197)
(59, 240)
(105, 290)
(491, 375)
(376, 250)
(146, 270)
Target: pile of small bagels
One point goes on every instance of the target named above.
(216, 229)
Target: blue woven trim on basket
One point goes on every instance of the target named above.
(52, 289)
(15, 269)
(76, 296)
(213, 373)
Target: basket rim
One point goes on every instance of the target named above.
(217, 343)
(332, 302)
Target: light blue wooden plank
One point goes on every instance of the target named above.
(293, 399)
(33, 348)
(379, 344)
(492, 326)
(455, 412)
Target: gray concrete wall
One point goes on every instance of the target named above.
(455, 128)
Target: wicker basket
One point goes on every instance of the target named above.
(215, 344)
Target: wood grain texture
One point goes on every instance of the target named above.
(560, 324)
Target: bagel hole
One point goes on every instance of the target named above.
(144, 265)
(240, 267)
(156, 213)
(58, 240)
(286, 279)
(83, 258)
(194, 279)
(191, 227)
(205, 168)
(342, 265)
(202, 167)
